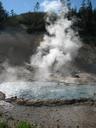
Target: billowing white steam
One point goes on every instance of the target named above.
(60, 46)
(51, 6)
(13, 74)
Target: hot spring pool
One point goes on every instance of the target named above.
(47, 90)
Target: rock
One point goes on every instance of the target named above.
(12, 99)
(21, 101)
(6, 105)
(2, 96)
(76, 76)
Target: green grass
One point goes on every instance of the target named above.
(21, 124)
(24, 124)
(3, 124)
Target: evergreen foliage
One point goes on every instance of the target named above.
(3, 15)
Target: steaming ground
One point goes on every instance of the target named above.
(54, 57)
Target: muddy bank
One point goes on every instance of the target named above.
(39, 103)
(76, 78)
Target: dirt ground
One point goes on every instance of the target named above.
(67, 116)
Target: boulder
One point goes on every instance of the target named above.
(2, 96)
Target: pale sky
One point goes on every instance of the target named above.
(21, 6)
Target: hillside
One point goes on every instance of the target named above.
(30, 22)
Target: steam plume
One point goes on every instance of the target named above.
(60, 46)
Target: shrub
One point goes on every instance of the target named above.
(23, 124)
(3, 124)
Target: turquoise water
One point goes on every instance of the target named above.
(48, 90)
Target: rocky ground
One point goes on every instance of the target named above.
(75, 115)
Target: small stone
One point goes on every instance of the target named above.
(77, 76)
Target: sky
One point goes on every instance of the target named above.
(21, 6)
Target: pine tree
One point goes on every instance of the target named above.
(12, 13)
(3, 13)
(69, 4)
(87, 4)
(86, 15)
(37, 7)
(66, 3)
